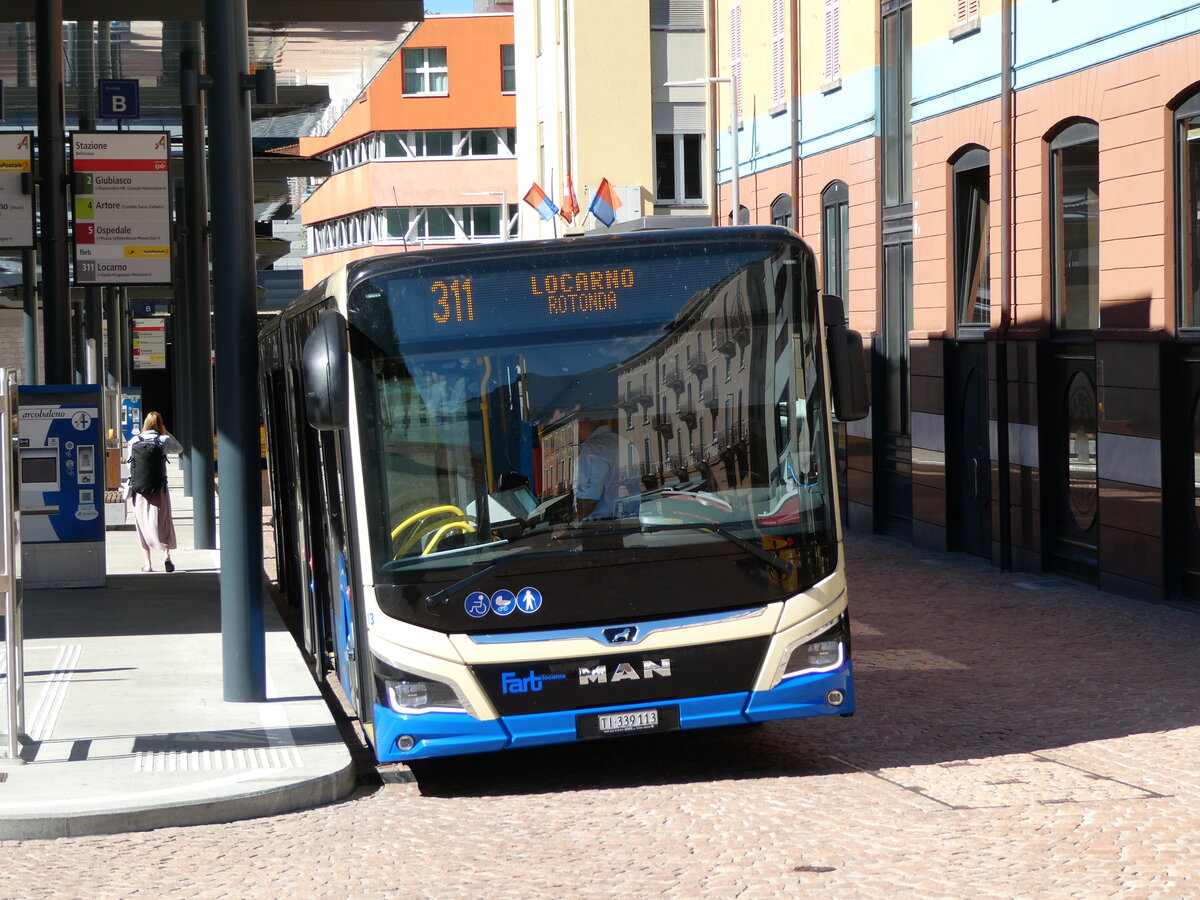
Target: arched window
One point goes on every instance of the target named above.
(781, 211)
(1075, 226)
(1187, 190)
(835, 238)
(972, 290)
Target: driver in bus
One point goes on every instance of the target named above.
(600, 492)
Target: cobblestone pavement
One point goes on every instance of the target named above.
(1016, 736)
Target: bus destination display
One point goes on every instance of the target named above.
(502, 299)
(564, 294)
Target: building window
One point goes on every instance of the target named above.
(449, 144)
(508, 69)
(896, 73)
(781, 211)
(425, 71)
(1187, 119)
(833, 40)
(966, 11)
(835, 238)
(1075, 227)
(972, 288)
(678, 168)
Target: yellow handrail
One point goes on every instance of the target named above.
(465, 527)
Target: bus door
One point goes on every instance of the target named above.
(313, 573)
(345, 628)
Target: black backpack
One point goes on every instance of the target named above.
(147, 467)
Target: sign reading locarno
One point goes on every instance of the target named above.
(122, 207)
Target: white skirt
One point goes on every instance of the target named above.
(152, 519)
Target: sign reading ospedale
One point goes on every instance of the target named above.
(122, 207)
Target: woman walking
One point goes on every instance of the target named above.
(147, 456)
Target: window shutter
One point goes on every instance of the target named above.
(735, 53)
(677, 14)
(778, 53)
(833, 40)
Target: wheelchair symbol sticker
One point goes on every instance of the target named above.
(478, 603)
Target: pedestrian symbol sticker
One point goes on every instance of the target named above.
(529, 600)
(478, 604)
(503, 602)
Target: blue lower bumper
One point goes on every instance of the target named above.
(450, 734)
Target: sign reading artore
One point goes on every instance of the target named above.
(122, 207)
(16, 207)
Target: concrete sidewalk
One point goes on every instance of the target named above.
(125, 714)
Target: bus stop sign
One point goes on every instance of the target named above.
(119, 98)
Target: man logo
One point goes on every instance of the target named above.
(626, 634)
(625, 672)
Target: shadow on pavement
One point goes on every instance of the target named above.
(953, 659)
(143, 604)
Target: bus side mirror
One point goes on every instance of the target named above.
(324, 366)
(847, 364)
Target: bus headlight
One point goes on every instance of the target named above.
(822, 651)
(415, 692)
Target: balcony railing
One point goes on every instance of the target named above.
(673, 378)
(687, 413)
(662, 424)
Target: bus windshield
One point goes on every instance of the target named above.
(660, 398)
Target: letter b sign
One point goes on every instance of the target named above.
(118, 98)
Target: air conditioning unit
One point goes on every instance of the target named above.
(630, 196)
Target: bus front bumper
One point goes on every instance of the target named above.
(407, 736)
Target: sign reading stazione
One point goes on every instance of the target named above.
(122, 207)
(16, 206)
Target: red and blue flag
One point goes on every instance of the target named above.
(538, 200)
(570, 206)
(605, 203)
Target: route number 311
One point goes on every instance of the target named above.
(454, 299)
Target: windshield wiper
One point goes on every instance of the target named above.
(440, 598)
(783, 566)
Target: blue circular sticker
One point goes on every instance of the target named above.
(503, 602)
(529, 600)
(478, 603)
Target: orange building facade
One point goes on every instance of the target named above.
(426, 156)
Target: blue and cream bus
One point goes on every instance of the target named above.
(431, 417)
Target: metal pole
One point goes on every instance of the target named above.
(29, 290)
(200, 375)
(85, 99)
(1006, 224)
(10, 568)
(112, 353)
(733, 149)
(242, 635)
(56, 288)
(181, 342)
(710, 21)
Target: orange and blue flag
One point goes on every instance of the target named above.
(605, 203)
(570, 206)
(537, 198)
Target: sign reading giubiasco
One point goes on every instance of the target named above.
(16, 206)
(122, 207)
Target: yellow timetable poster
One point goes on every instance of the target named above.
(16, 206)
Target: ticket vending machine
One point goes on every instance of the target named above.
(60, 452)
